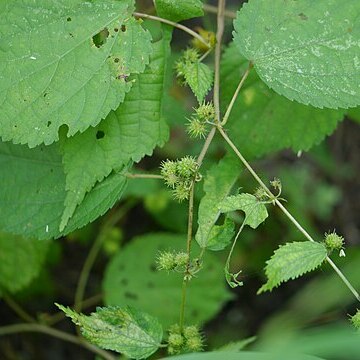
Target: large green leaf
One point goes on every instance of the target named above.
(217, 185)
(132, 278)
(305, 50)
(291, 261)
(125, 330)
(179, 10)
(128, 133)
(255, 211)
(262, 121)
(32, 193)
(20, 260)
(51, 71)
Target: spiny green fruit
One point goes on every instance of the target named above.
(181, 191)
(175, 340)
(191, 331)
(190, 55)
(168, 172)
(166, 260)
(194, 344)
(206, 112)
(196, 128)
(355, 320)
(181, 259)
(333, 241)
(186, 167)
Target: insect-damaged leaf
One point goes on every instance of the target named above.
(65, 63)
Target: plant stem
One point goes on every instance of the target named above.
(143, 176)
(174, 24)
(18, 328)
(219, 35)
(18, 309)
(232, 102)
(213, 9)
(285, 211)
(93, 253)
(220, 22)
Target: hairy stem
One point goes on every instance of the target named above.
(219, 35)
(285, 211)
(143, 176)
(174, 24)
(93, 253)
(213, 9)
(232, 102)
(220, 24)
(18, 309)
(18, 328)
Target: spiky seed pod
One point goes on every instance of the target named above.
(333, 241)
(190, 55)
(186, 167)
(166, 261)
(168, 170)
(181, 192)
(175, 340)
(261, 194)
(206, 112)
(194, 344)
(196, 128)
(181, 259)
(191, 331)
(355, 320)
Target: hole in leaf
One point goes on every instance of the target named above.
(48, 123)
(68, 19)
(130, 295)
(116, 29)
(100, 38)
(123, 28)
(116, 60)
(302, 16)
(100, 134)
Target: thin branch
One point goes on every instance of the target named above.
(219, 35)
(93, 253)
(285, 211)
(143, 176)
(18, 309)
(174, 24)
(19, 328)
(232, 102)
(213, 9)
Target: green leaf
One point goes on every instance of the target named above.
(127, 134)
(255, 211)
(220, 235)
(52, 71)
(199, 77)
(307, 51)
(131, 278)
(179, 10)
(125, 330)
(32, 193)
(291, 261)
(242, 355)
(20, 261)
(262, 121)
(218, 183)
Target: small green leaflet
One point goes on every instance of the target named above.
(32, 192)
(128, 133)
(52, 73)
(263, 121)
(20, 261)
(218, 183)
(125, 330)
(176, 10)
(291, 261)
(255, 211)
(131, 278)
(220, 235)
(199, 77)
(305, 50)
